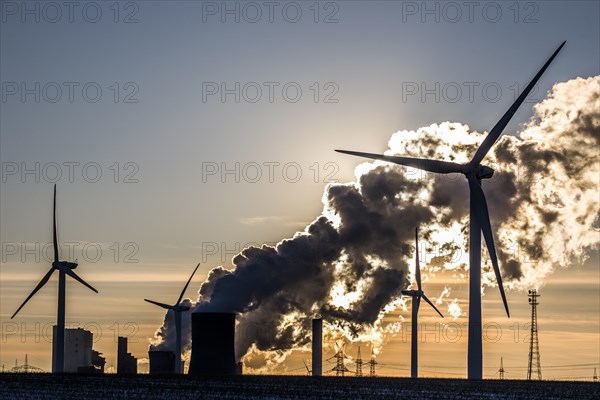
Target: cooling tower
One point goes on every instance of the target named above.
(162, 362)
(213, 337)
(317, 347)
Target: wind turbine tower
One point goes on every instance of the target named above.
(534, 368)
(177, 309)
(64, 268)
(416, 295)
(479, 219)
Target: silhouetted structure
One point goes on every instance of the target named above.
(308, 371)
(501, 370)
(479, 218)
(372, 364)
(317, 347)
(177, 309)
(595, 377)
(98, 361)
(77, 350)
(24, 368)
(340, 368)
(126, 363)
(161, 362)
(534, 368)
(358, 363)
(416, 295)
(213, 341)
(64, 268)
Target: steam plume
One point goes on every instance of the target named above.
(350, 264)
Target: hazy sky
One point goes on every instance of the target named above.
(182, 131)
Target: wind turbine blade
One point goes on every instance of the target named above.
(72, 274)
(496, 131)
(440, 167)
(417, 265)
(431, 304)
(38, 287)
(483, 217)
(186, 285)
(54, 235)
(163, 305)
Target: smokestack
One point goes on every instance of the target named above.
(317, 347)
(213, 339)
(161, 362)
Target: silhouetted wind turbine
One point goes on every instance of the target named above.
(63, 268)
(308, 370)
(416, 301)
(177, 309)
(479, 216)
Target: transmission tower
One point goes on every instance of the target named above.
(358, 363)
(534, 368)
(340, 368)
(25, 368)
(501, 370)
(372, 364)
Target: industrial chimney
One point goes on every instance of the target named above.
(213, 339)
(317, 347)
(161, 362)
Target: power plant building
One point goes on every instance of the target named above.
(126, 363)
(78, 349)
(161, 362)
(213, 344)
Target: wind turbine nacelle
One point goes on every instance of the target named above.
(412, 293)
(70, 265)
(485, 172)
(181, 308)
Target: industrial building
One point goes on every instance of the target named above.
(79, 355)
(161, 362)
(213, 344)
(126, 363)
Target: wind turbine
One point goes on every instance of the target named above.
(308, 370)
(177, 309)
(416, 301)
(63, 268)
(479, 217)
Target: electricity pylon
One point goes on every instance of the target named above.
(534, 367)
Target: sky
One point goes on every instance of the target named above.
(182, 132)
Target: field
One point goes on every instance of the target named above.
(47, 386)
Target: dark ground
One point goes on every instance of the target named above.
(47, 386)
